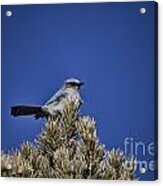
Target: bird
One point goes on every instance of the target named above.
(56, 104)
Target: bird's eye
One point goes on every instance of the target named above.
(73, 84)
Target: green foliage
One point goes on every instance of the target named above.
(68, 147)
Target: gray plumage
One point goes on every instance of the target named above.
(56, 104)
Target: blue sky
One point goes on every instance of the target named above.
(109, 46)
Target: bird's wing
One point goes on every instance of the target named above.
(57, 97)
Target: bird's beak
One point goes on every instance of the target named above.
(81, 83)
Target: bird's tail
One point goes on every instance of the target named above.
(22, 110)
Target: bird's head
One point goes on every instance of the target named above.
(73, 83)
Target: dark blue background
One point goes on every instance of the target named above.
(109, 46)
